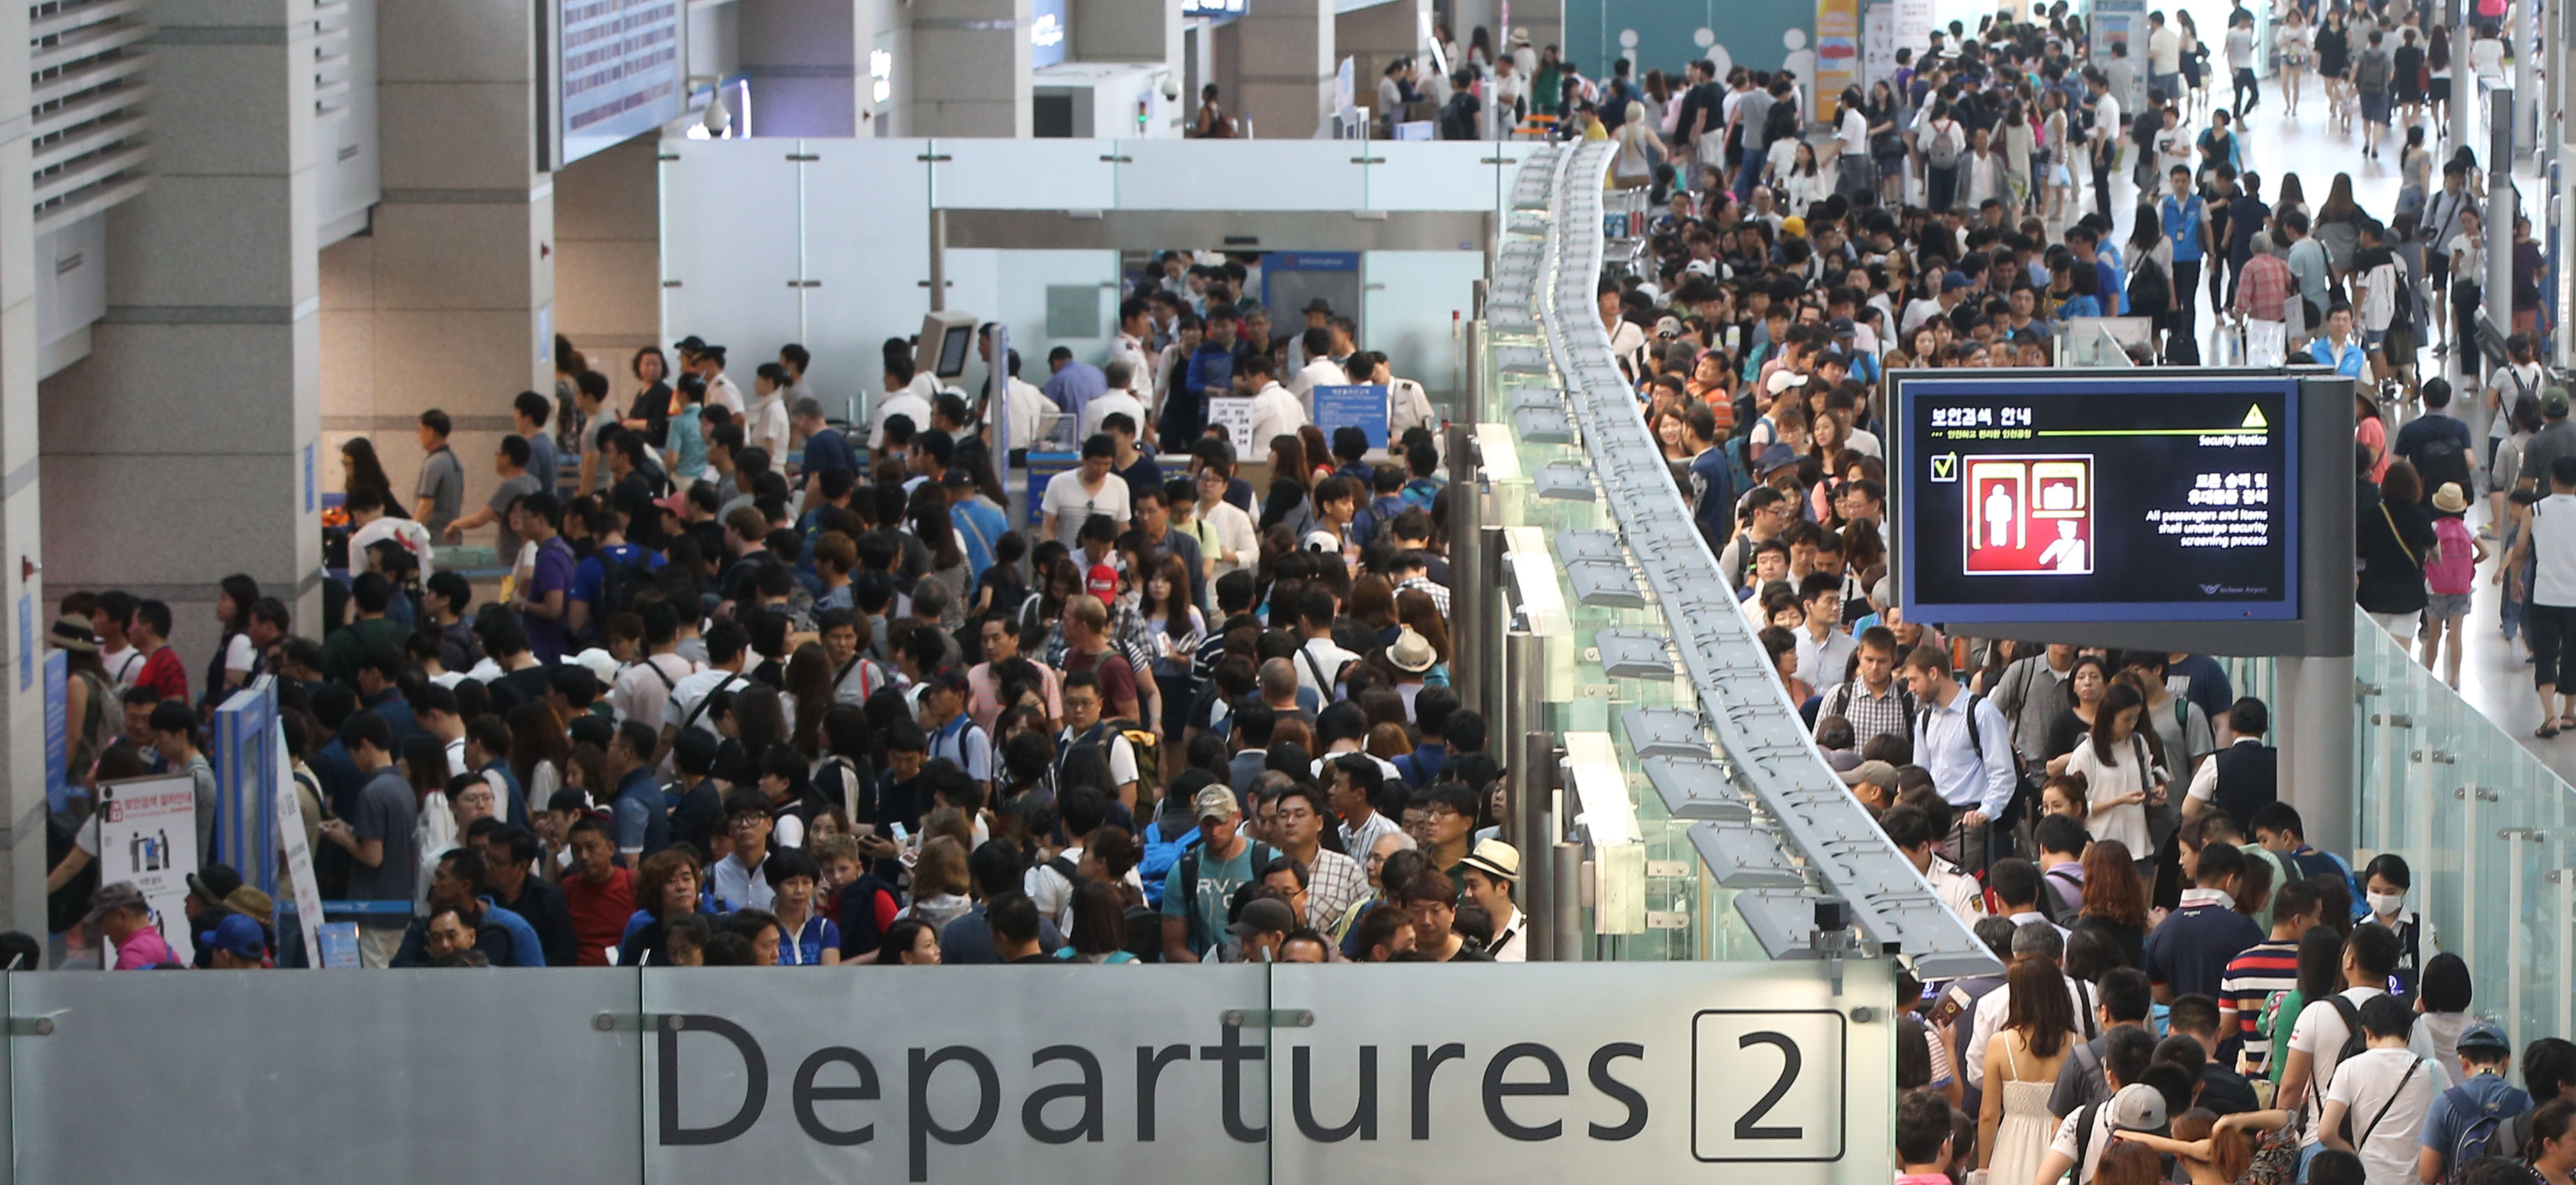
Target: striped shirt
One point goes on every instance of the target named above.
(2251, 979)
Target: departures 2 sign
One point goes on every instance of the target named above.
(2140, 498)
(1536, 1072)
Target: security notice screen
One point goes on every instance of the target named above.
(2109, 498)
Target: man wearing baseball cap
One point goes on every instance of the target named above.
(126, 919)
(2455, 1130)
(1199, 889)
(1262, 928)
(235, 944)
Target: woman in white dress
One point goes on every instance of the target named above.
(2013, 1123)
(2292, 42)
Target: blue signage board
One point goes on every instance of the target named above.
(245, 761)
(1361, 406)
(1046, 32)
(58, 755)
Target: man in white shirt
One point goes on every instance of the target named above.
(2384, 1092)
(1824, 649)
(1321, 660)
(2164, 57)
(1024, 409)
(2550, 604)
(1076, 494)
(709, 365)
(1319, 371)
(645, 686)
(1276, 411)
(2317, 1038)
(2136, 1107)
(1135, 328)
(688, 707)
(900, 400)
(1117, 398)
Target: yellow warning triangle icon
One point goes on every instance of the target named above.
(2254, 418)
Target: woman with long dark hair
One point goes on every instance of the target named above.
(360, 468)
(909, 942)
(1099, 933)
(2013, 1124)
(930, 521)
(805, 697)
(2117, 769)
(1177, 627)
(538, 748)
(2086, 680)
(2396, 540)
(2115, 900)
(235, 659)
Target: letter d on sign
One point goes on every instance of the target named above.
(755, 1070)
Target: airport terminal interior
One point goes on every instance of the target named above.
(1923, 591)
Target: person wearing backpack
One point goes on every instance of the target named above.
(2451, 572)
(2548, 1074)
(2328, 1031)
(2377, 1105)
(1200, 888)
(2468, 1120)
(2437, 443)
(1963, 741)
(1945, 148)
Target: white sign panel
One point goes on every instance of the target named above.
(147, 834)
(297, 855)
(1234, 414)
(1691, 1072)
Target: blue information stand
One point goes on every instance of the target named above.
(245, 761)
(1363, 407)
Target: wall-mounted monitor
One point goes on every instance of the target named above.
(618, 69)
(2175, 511)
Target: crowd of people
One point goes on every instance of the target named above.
(759, 689)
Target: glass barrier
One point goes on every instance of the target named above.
(2483, 824)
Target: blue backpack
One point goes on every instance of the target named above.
(1160, 857)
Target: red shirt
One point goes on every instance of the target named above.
(163, 672)
(1117, 679)
(599, 914)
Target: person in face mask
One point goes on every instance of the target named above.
(2384, 883)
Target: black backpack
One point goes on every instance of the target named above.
(2440, 460)
(1085, 761)
(1261, 853)
(619, 581)
(2149, 288)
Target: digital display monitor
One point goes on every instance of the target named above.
(2042, 498)
(952, 350)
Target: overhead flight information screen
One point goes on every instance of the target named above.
(2109, 498)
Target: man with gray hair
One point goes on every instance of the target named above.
(1119, 397)
(2264, 287)
(2034, 940)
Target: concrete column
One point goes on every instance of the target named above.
(179, 451)
(22, 709)
(1282, 60)
(460, 276)
(807, 66)
(1128, 31)
(608, 258)
(960, 49)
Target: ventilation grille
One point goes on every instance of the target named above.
(87, 61)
